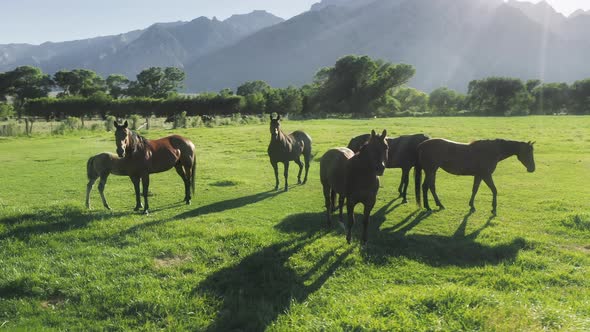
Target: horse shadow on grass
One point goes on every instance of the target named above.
(460, 249)
(51, 220)
(263, 285)
(216, 207)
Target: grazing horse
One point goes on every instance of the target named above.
(354, 177)
(403, 153)
(101, 166)
(478, 159)
(284, 148)
(146, 156)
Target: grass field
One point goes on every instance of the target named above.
(245, 258)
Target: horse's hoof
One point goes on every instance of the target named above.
(146, 212)
(405, 201)
(188, 202)
(427, 208)
(299, 182)
(304, 181)
(472, 210)
(108, 207)
(286, 189)
(137, 209)
(276, 188)
(494, 212)
(441, 207)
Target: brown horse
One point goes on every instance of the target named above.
(403, 153)
(101, 166)
(478, 159)
(354, 177)
(154, 156)
(284, 148)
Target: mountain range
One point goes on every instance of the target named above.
(449, 42)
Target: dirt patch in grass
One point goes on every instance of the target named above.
(53, 303)
(164, 262)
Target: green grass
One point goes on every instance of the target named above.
(245, 258)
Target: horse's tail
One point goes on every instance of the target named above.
(194, 170)
(90, 168)
(417, 180)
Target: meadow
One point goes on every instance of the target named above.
(243, 257)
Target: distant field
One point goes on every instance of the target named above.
(245, 258)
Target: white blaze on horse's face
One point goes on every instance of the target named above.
(274, 129)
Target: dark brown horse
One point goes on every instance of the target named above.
(478, 159)
(403, 153)
(354, 177)
(284, 148)
(154, 156)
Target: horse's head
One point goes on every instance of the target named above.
(525, 155)
(275, 127)
(376, 151)
(122, 138)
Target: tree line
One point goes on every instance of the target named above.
(356, 85)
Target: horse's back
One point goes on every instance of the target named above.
(304, 139)
(333, 168)
(356, 143)
(403, 150)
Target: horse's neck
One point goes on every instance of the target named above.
(283, 140)
(358, 166)
(508, 149)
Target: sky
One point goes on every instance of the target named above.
(37, 21)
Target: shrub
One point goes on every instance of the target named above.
(135, 119)
(69, 124)
(196, 121)
(9, 129)
(180, 120)
(6, 111)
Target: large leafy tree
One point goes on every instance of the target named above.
(498, 96)
(358, 84)
(117, 85)
(157, 82)
(551, 98)
(24, 83)
(79, 82)
(580, 95)
(252, 87)
(444, 101)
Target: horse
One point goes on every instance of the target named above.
(355, 177)
(403, 153)
(102, 165)
(478, 159)
(146, 157)
(285, 148)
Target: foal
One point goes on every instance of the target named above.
(102, 165)
(478, 159)
(284, 148)
(354, 177)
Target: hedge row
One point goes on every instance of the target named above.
(92, 107)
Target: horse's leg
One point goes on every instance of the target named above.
(333, 200)
(476, 183)
(300, 164)
(101, 185)
(135, 180)
(145, 181)
(275, 167)
(488, 180)
(328, 201)
(340, 208)
(350, 212)
(88, 189)
(425, 187)
(186, 180)
(286, 173)
(367, 215)
(307, 159)
(433, 190)
(405, 182)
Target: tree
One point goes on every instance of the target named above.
(411, 100)
(24, 83)
(551, 98)
(357, 84)
(156, 82)
(444, 101)
(82, 82)
(498, 96)
(252, 87)
(117, 85)
(580, 95)
(532, 84)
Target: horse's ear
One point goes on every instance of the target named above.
(271, 117)
(533, 143)
(384, 134)
(116, 124)
(373, 133)
(125, 125)
(278, 117)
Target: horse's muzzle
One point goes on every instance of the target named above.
(530, 170)
(121, 153)
(380, 169)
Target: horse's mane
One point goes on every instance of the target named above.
(138, 142)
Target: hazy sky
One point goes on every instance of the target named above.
(36, 21)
